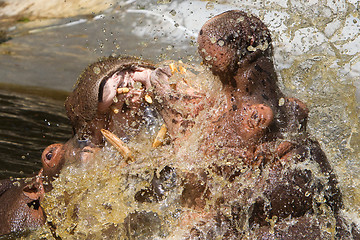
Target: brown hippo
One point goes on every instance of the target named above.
(238, 49)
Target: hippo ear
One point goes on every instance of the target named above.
(107, 90)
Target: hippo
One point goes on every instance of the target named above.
(53, 160)
(88, 114)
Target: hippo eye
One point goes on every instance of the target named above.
(49, 155)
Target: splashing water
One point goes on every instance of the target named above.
(317, 58)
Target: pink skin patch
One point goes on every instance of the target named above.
(124, 79)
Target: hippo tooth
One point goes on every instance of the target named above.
(182, 70)
(115, 110)
(118, 144)
(173, 68)
(160, 137)
(123, 90)
(148, 99)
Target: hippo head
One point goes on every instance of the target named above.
(227, 41)
(109, 95)
(20, 201)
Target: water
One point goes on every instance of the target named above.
(29, 123)
(316, 55)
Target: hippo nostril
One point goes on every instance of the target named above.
(83, 141)
(34, 204)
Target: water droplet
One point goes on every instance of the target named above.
(281, 102)
(251, 49)
(240, 19)
(210, 6)
(208, 58)
(17, 184)
(221, 43)
(96, 70)
(213, 40)
(137, 85)
(173, 12)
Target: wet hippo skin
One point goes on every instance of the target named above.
(256, 125)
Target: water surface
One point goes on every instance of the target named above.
(28, 124)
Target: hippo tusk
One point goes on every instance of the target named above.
(160, 137)
(118, 144)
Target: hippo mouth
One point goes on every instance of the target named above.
(127, 84)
